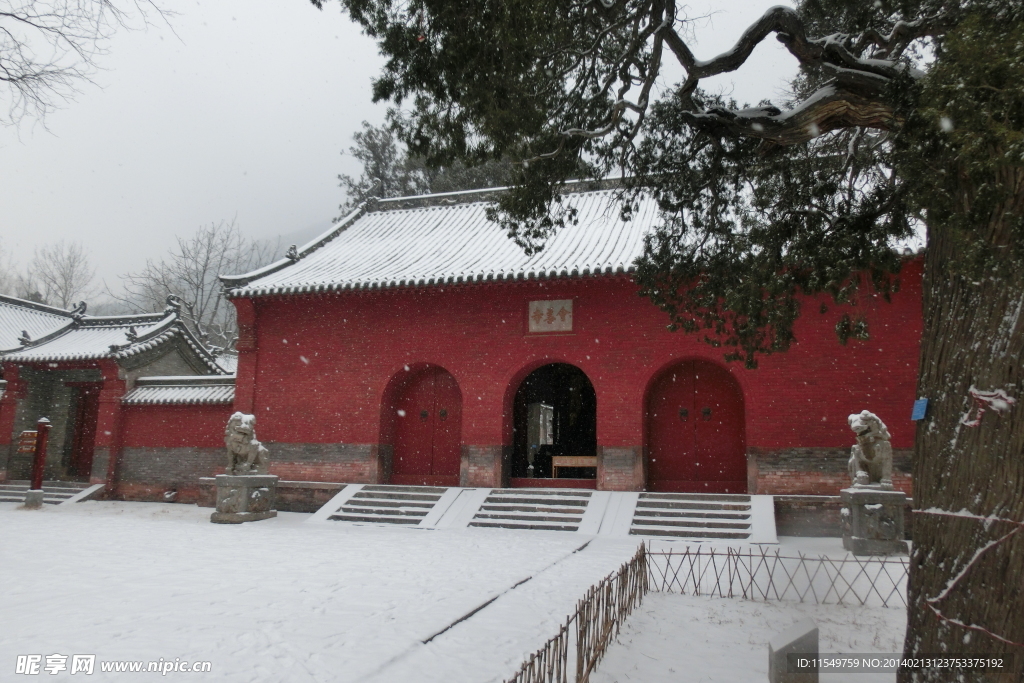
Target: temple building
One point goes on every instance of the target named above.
(415, 344)
(87, 375)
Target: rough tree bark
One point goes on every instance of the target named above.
(966, 570)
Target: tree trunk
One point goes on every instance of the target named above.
(967, 572)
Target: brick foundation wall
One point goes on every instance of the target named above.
(620, 469)
(485, 466)
(170, 467)
(813, 471)
(355, 463)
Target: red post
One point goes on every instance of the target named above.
(39, 458)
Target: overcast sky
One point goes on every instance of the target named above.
(241, 112)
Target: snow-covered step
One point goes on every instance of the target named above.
(693, 515)
(386, 504)
(546, 509)
(54, 492)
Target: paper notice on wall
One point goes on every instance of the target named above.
(551, 316)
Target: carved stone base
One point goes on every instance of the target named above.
(33, 499)
(872, 521)
(245, 498)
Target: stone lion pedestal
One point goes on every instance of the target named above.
(872, 521)
(246, 493)
(245, 498)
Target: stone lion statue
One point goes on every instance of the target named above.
(871, 456)
(246, 455)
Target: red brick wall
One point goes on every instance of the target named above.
(159, 426)
(323, 362)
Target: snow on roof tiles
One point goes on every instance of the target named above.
(93, 338)
(182, 391)
(17, 316)
(117, 337)
(393, 246)
(447, 238)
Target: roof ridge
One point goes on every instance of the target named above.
(482, 195)
(42, 308)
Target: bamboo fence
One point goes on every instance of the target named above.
(591, 628)
(764, 574)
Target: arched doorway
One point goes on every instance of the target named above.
(427, 429)
(695, 430)
(554, 417)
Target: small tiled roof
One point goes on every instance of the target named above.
(115, 337)
(209, 390)
(18, 316)
(447, 238)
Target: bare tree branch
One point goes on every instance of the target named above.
(59, 275)
(189, 271)
(48, 47)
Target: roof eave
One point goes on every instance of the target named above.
(232, 282)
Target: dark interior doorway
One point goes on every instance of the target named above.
(85, 412)
(562, 395)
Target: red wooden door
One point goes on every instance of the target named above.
(720, 460)
(447, 442)
(428, 431)
(670, 423)
(86, 412)
(695, 431)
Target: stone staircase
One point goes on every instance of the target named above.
(548, 509)
(693, 515)
(54, 492)
(386, 504)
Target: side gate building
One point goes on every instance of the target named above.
(416, 344)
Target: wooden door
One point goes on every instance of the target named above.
(695, 431)
(86, 412)
(670, 432)
(428, 431)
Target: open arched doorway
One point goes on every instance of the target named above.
(427, 418)
(696, 430)
(554, 436)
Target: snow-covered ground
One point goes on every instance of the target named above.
(673, 638)
(284, 599)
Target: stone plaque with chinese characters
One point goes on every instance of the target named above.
(551, 316)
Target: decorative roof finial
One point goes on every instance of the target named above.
(78, 311)
(24, 339)
(173, 304)
(292, 253)
(132, 334)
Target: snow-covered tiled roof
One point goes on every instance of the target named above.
(18, 316)
(448, 239)
(116, 337)
(210, 390)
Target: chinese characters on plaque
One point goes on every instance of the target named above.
(551, 316)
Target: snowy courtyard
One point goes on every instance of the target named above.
(674, 638)
(284, 599)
